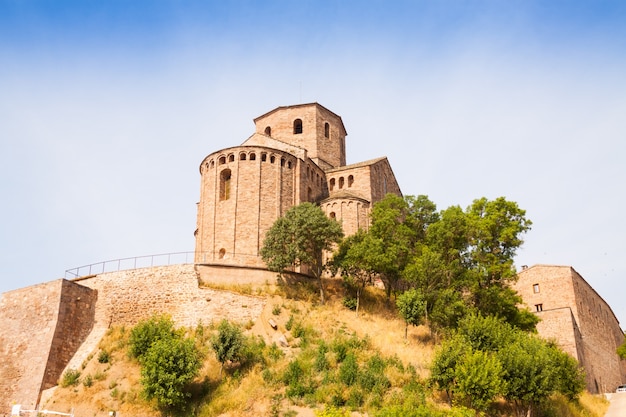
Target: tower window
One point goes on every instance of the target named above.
(222, 160)
(225, 184)
(539, 307)
(263, 157)
(253, 156)
(297, 126)
(242, 156)
(350, 180)
(268, 131)
(535, 288)
(332, 184)
(231, 158)
(326, 130)
(222, 253)
(341, 182)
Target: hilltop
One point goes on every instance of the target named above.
(259, 389)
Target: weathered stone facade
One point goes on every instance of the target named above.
(41, 328)
(576, 316)
(48, 328)
(297, 154)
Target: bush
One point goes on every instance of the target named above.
(104, 357)
(350, 303)
(147, 332)
(349, 370)
(71, 377)
(168, 366)
(228, 344)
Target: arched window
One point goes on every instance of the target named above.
(326, 130)
(253, 156)
(242, 156)
(350, 180)
(231, 158)
(263, 157)
(309, 194)
(340, 182)
(332, 184)
(332, 215)
(222, 160)
(297, 126)
(272, 159)
(268, 131)
(222, 253)
(225, 184)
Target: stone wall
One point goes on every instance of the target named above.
(41, 328)
(48, 328)
(127, 297)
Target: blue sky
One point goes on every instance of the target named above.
(108, 107)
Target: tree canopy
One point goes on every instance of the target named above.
(301, 237)
(487, 358)
(459, 260)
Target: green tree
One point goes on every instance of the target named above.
(412, 307)
(531, 368)
(496, 229)
(300, 238)
(352, 261)
(149, 331)
(228, 343)
(479, 379)
(168, 366)
(398, 223)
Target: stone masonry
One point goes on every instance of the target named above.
(48, 328)
(296, 154)
(576, 316)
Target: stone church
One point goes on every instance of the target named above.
(296, 154)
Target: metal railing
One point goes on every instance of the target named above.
(163, 259)
(136, 262)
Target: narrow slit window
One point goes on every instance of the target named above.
(225, 184)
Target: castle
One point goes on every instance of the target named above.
(296, 154)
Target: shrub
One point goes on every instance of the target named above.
(289, 323)
(71, 377)
(348, 370)
(228, 344)
(147, 332)
(104, 357)
(88, 381)
(350, 303)
(168, 366)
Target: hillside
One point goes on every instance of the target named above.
(260, 389)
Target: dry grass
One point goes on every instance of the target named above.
(115, 385)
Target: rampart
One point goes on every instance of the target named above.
(41, 328)
(48, 328)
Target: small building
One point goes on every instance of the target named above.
(574, 315)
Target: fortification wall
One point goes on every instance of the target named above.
(127, 297)
(41, 327)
